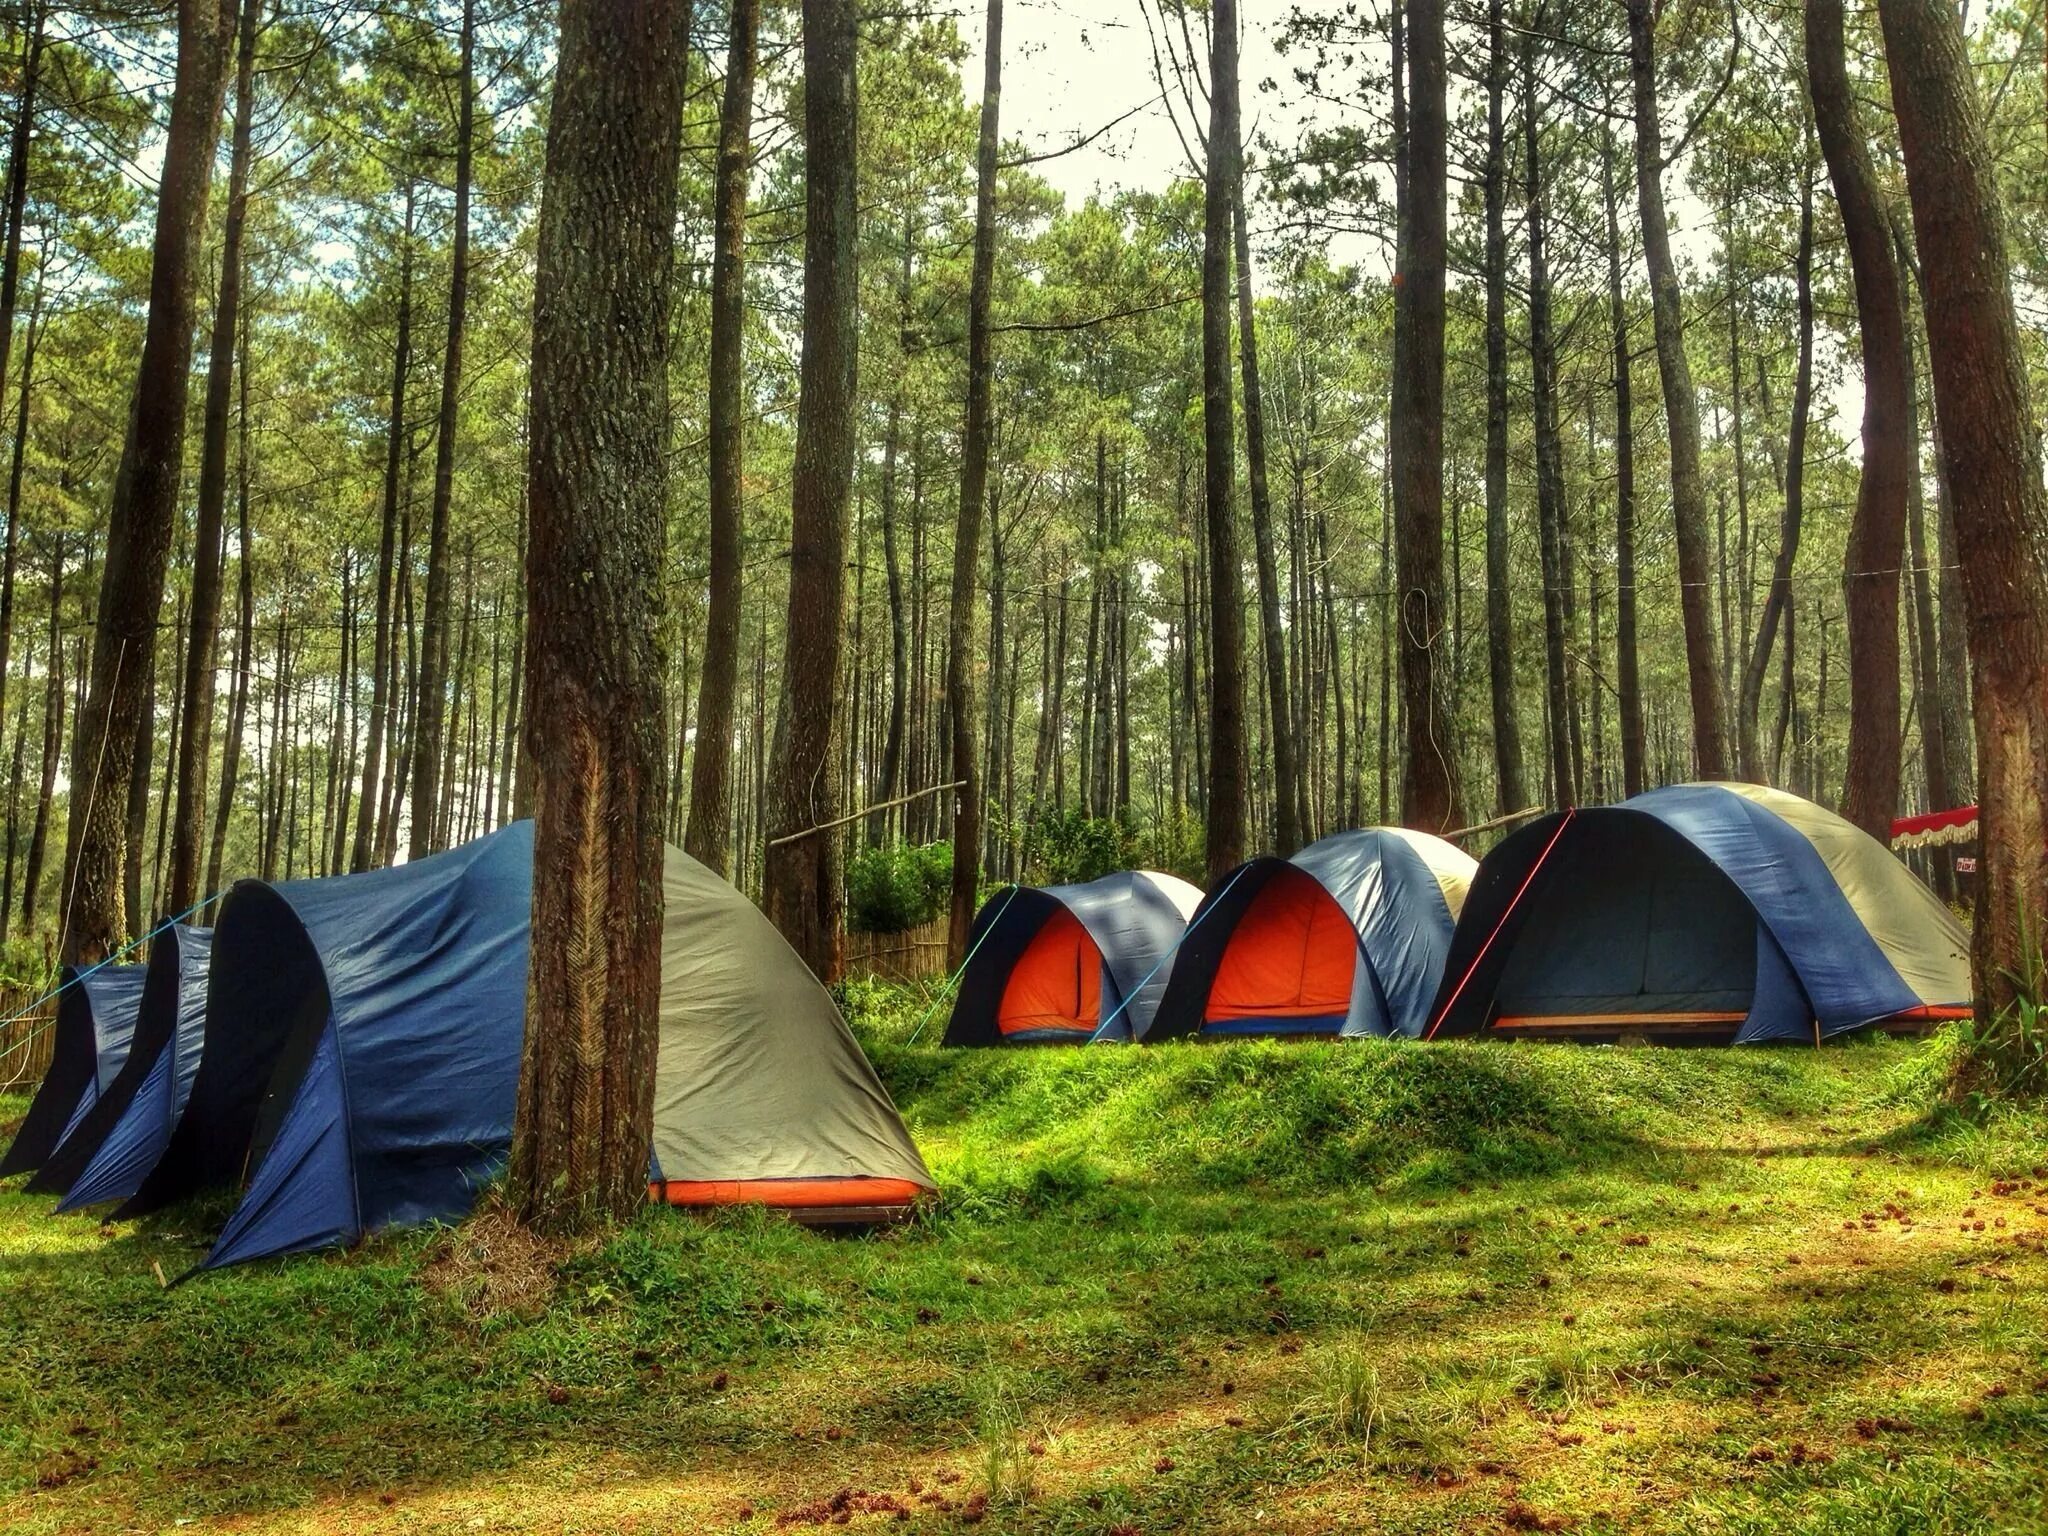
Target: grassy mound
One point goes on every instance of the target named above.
(1215, 1287)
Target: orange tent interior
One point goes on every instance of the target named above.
(1057, 981)
(1291, 956)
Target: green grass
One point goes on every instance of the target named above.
(1218, 1288)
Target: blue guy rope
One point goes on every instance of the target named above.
(134, 944)
(954, 980)
(1200, 918)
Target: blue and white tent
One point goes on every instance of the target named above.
(1346, 938)
(1699, 912)
(96, 1010)
(120, 1140)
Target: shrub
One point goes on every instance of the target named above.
(897, 887)
(1067, 847)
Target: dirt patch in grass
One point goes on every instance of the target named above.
(491, 1266)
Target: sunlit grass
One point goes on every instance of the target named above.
(1247, 1287)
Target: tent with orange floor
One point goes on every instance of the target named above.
(1066, 964)
(1699, 913)
(1346, 938)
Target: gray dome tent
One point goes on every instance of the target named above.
(1069, 964)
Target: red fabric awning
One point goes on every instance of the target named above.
(1937, 829)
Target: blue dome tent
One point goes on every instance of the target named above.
(1066, 964)
(1707, 913)
(96, 1010)
(362, 1048)
(1346, 938)
(116, 1144)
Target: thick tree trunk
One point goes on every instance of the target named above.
(974, 456)
(711, 768)
(801, 877)
(1870, 796)
(430, 706)
(1229, 763)
(1994, 475)
(145, 492)
(1429, 781)
(195, 740)
(1681, 408)
(1511, 794)
(1778, 603)
(1550, 492)
(1627, 672)
(598, 494)
(381, 692)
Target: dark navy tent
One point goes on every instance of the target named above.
(1700, 912)
(1070, 963)
(95, 1020)
(361, 1051)
(1346, 938)
(106, 1157)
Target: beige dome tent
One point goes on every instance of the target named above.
(761, 1094)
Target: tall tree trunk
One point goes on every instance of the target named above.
(447, 828)
(1627, 672)
(891, 784)
(1429, 781)
(510, 752)
(1511, 794)
(1934, 717)
(1229, 764)
(711, 768)
(146, 490)
(53, 735)
(1681, 408)
(1550, 492)
(1994, 475)
(20, 141)
(1287, 771)
(195, 740)
(430, 707)
(1870, 796)
(10, 561)
(801, 876)
(598, 493)
(974, 456)
(245, 630)
(1733, 634)
(381, 694)
(1778, 604)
